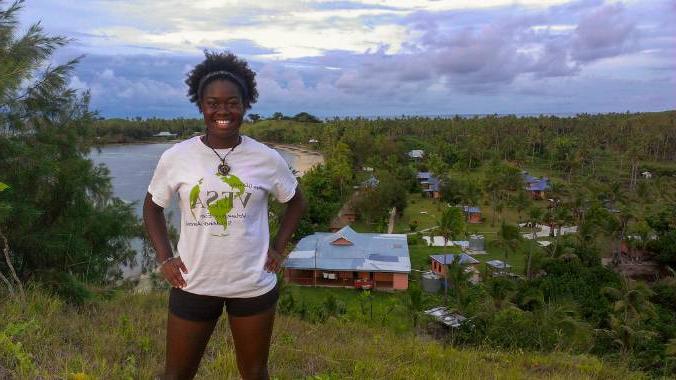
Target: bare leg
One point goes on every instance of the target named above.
(186, 341)
(252, 336)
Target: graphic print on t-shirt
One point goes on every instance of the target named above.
(219, 205)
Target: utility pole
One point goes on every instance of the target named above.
(446, 280)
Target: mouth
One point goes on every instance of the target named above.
(224, 123)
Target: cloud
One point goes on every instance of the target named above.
(606, 32)
(392, 57)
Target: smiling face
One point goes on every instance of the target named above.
(223, 109)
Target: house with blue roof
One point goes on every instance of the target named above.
(441, 262)
(472, 214)
(536, 187)
(347, 258)
(429, 184)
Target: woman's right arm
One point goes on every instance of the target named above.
(156, 228)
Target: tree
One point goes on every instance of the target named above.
(535, 216)
(339, 164)
(306, 118)
(63, 223)
(459, 279)
(11, 280)
(501, 290)
(631, 306)
(414, 303)
(521, 202)
(452, 224)
(509, 238)
(254, 117)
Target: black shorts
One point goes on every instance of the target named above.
(196, 307)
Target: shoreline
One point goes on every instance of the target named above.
(304, 159)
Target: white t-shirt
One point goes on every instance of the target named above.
(224, 220)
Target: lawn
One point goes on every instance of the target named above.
(425, 211)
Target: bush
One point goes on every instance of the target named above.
(65, 286)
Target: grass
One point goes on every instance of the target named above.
(417, 203)
(123, 338)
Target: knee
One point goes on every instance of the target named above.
(256, 372)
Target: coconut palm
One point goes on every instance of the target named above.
(509, 238)
(535, 216)
(451, 224)
(631, 306)
(631, 301)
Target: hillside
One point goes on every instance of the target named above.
(124, 338)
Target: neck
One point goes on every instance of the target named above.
(221, 143)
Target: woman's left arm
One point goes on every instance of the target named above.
(295, 208)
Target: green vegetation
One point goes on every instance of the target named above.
(593, 163)
(60, 223)
(62, 230)
(124, 338)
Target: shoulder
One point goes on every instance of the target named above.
(180, 148)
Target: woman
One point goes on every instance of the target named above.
(222, 180)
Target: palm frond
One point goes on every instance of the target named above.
(20, 58)
(8, 22)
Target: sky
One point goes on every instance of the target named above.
(374, 57)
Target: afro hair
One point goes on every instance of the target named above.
(224, 61)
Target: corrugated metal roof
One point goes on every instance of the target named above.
(423, 175)
(416, 153)
(369, 252)
(472, 209)
(499, 264)
(448, 259)
(540, 185)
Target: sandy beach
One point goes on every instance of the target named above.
(304, 159)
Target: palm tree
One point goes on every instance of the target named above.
(535, 216)
(521, 202)
(561, 217)
(631, 306)
(459, 279)
(501, 291)
(414, 303)
(509, 238)
(451, 224)
(631, 301)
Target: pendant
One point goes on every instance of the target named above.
(223, 169)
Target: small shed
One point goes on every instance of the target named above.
(440, 263)
(477, 242)
(446, 317)
(473, 214)
(431, 282)
(498, 268)
(416, 154)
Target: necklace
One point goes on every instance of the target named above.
(223, 168)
